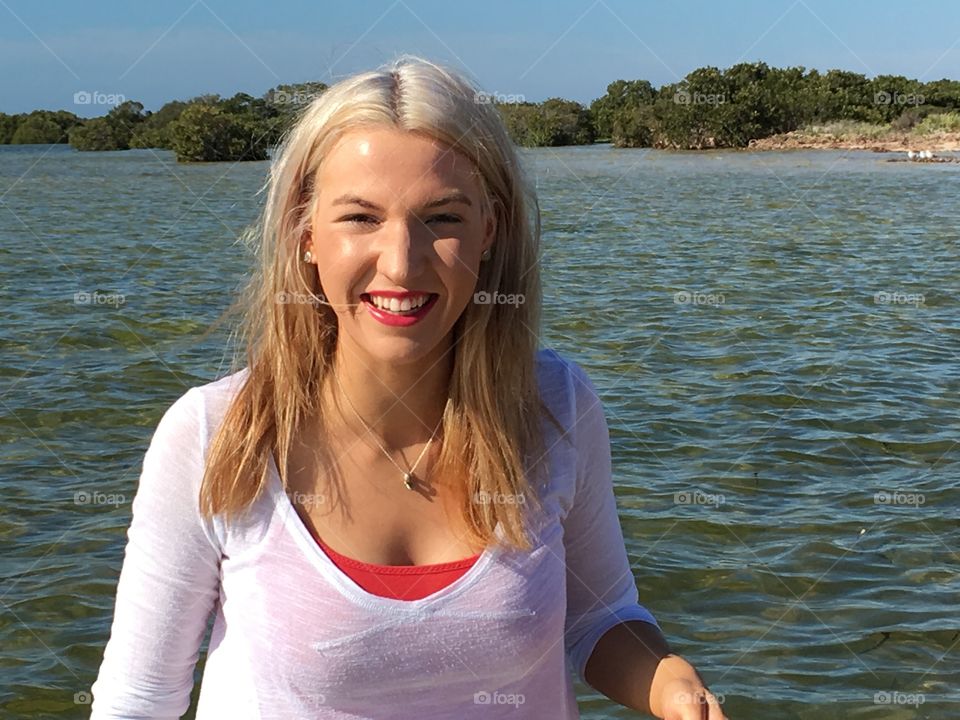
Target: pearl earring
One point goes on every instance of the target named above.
(307, 256)
(485, 255)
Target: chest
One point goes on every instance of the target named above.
(331, 643)
(500, 627)
(360, 507)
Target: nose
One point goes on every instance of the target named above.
(403, 247)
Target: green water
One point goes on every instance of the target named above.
(725, 306)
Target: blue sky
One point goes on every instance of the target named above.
(155, 52)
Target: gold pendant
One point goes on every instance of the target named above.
(408, 480)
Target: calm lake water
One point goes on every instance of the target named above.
(775, 337)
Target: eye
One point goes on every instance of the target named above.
(368, 219)
(361, 219)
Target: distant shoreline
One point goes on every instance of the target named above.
(889, 142)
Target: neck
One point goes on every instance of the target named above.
(402, 404)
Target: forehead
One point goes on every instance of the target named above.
(388, 160)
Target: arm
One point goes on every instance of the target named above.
(614, 643)
(601, 592)
(632, 665)
(168, 583)
(624, 662)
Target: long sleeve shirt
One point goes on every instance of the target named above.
(294, 637)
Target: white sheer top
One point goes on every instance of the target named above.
(294, 637)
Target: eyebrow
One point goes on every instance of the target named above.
(451, 197)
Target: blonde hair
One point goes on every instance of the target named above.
(491, 428)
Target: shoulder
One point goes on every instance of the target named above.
(570, 397)
(581, 442)
(564, 384)
(216, 395)
(222, 389)
(173, 466)
(553, 370)
(195, 414)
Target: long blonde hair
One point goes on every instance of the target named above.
(491, 428)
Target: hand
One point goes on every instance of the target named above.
(678, 693)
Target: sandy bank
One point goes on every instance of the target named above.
(889, 142)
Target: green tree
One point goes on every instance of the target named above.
(284, 104)
(553, 122)
(154, 131)
(893, 94)
(844, 95)
(791, 100)
(205, 133)
(37, 129)
(568, 122)
(110, 132)
(942, 93)
(96, 134)
(758, 101)
(633, 126)
(43, 126)
(8, 126)
(516, 117)
(688, 113)
(266, 119)
(622, 95)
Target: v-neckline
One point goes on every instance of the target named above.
(344, 583)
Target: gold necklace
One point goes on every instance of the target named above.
(408, 476)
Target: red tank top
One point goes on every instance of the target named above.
(400, 582)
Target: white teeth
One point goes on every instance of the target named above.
(398, 306)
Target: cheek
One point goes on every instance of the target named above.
(460, 265)
(459, 254)
(337, 258)
(456, 258)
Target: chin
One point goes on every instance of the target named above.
(401, 350)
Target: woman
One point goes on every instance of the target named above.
(400, 507)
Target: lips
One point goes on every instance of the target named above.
(399, 318)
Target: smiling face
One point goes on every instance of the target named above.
(399, 214)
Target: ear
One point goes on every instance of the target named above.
(306, 234)
(490, 227)
(306, 242)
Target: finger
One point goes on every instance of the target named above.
(687, 712)
(712, 709)
(692, 706)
